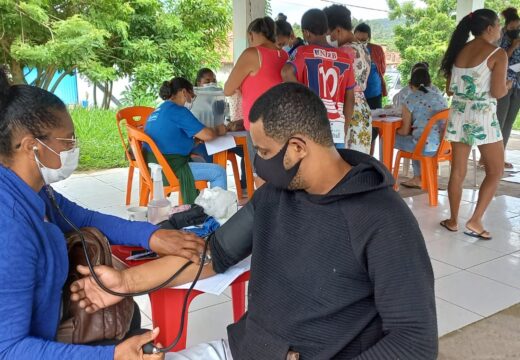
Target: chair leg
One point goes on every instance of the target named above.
(129, 185)
(396, 170)
(144, 195)
(432, 180)
(232, 157)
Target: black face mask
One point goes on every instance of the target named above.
(513, 34)
(273, 171)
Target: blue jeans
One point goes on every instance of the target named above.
(213, 173)
(406, 143)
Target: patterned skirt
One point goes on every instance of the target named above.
(473, 122)
(359, 134)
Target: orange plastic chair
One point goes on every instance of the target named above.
(429, 164)
(135, 116)
(137, 137)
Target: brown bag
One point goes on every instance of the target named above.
(112, 323)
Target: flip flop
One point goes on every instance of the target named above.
(477, 235)
(410, 186)
(444, 225)
(508, 165)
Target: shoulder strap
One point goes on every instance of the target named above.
(489, 56)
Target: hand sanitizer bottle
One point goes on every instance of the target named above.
(159, 208)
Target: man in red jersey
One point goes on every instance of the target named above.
(327, 71)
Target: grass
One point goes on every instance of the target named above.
(100, 145)
(516, 125)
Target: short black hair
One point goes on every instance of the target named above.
(315, 21)
(365, 28)
(291, 109)
(283, 28)
(338, 16)
(201, 73)
(25, 108)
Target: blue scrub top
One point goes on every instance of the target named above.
(173, 127)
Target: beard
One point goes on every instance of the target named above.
(297, 183)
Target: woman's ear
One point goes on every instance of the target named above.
(28, 146)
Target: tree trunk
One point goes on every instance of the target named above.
(47, 79)
(95, 94)
(58, 81)
(17, 73)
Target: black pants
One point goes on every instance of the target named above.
(375, 103)
(507, 110)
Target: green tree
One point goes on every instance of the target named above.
(426, 31)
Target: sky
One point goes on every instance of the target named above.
(294, 9)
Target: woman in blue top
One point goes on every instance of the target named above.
(174, 129)
(418, 108)
(509, 105)
(38, 147)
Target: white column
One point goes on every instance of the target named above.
(464, 7)
(244, 11)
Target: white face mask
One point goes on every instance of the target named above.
(188, 105)
(333, 43)
(69, 162)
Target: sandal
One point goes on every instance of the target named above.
(478, 235)
(411, 185)
(444, 224)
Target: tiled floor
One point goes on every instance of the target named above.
(474, 279)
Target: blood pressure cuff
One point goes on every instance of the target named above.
(233, 241)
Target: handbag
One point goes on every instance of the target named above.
(111, 323)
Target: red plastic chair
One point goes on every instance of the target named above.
(167, 303)
(429, 164)
(135, 116)
(137, 137)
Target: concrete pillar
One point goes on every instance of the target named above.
(464, 7)
(244, 11)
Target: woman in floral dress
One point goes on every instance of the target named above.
(359, 134)
(477, 77)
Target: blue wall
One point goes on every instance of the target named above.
(67, 90)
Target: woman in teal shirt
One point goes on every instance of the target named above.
(174, 129)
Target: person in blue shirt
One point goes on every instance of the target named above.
(38, 147)
(420, 105)
(174, 129)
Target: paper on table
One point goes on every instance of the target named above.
(220, 143)
(217, 284)
(238, 133)
(387, 119)
(515, 67)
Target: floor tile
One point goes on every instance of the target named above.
(476, 293)
(452, 317)
(209, 324)
(441, 269)
(206, 300)
(505, 270)
(459, 253)
(504, 241)
(468, 195)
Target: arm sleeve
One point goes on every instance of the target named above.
(409, 103)
(189, 123)
(350, 79)
(117, 230)
(233, 241)
(400, 269)
(297, 61)
(18, 274)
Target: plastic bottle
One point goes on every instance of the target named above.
(159, 208)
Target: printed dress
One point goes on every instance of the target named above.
(473, 119)
(359, 135)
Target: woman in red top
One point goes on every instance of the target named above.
(257, 70)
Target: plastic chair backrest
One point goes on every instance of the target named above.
(137, 137)
(134, 116)
(441, 116)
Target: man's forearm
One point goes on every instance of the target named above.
(154, 273)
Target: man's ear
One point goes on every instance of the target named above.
(299, 147)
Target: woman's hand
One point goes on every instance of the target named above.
(509, 84)
(132, 349)
(516, 43)
(178, 243)
(88, 293)
(221, 129)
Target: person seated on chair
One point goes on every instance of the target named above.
(420, 105)
(38, 147)
(339, 268)
(206, 77)
(174, 129)
(399, 98)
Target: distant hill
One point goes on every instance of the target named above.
(382, 30)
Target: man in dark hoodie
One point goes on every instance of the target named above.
(339, 266)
